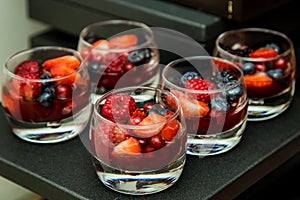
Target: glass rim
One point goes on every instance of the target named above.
(210, 91)
(258, 30)
(132, 88)
(139, 25)
(43, 48)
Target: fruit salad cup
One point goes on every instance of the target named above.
(214, 101)
(138, 140)
(267, 59)
(46, 94)
(119, 53)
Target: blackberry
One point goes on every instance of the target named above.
(140, 56)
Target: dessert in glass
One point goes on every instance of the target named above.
(267, 59)
(214, 102)
(138, 140)
(46, 94)
(119, 53)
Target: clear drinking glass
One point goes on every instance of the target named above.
(138, 140)
(46, 94)
(214, 101)
(268, 61)
(119, 53)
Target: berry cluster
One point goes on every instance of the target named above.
(211, 100)
(202, 100)
(154, 129)
(42, 90)
(263, 75)
(102, 59)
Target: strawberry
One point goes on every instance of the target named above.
(191, 107)
(103, 44)
(260, 85)
(170, 130)
(258, 80)
(153, 122)
(116, 134)
(67, 61)
(263, 53)
(118, 107)
(122, 42)
(202, 85)
(130, 146)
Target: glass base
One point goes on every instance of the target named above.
(51, 132)
(268, 108)
(139, 183)
(213, 144)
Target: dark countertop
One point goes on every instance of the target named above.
(65, 170)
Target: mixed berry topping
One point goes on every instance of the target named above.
(154, 132)
(111, 65)
(46, 92)
(265, 77)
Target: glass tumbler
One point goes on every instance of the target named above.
(46, 94)
(268, 61)
(214, 101)
(138, 140)
(119, 53)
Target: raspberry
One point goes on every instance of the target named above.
(119, 107)
(28, 67)
(116, 66)
(201, 85)
(30, 89)
(116, 135)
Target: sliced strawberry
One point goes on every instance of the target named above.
(263, 53)
(191, 107)
(67, 61)
(68, 73)
(103, 44)
(260, 85)
(122, 42)
(130, 146)
(258, 80)
(60, 71)
(170, 130)
(153, 124)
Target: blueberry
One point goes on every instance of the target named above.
(275, 73)
(139, 56)
(188, 76)
(273, 46)
(241, 52)
(46, 99)
(248, 68)
(220, 104)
